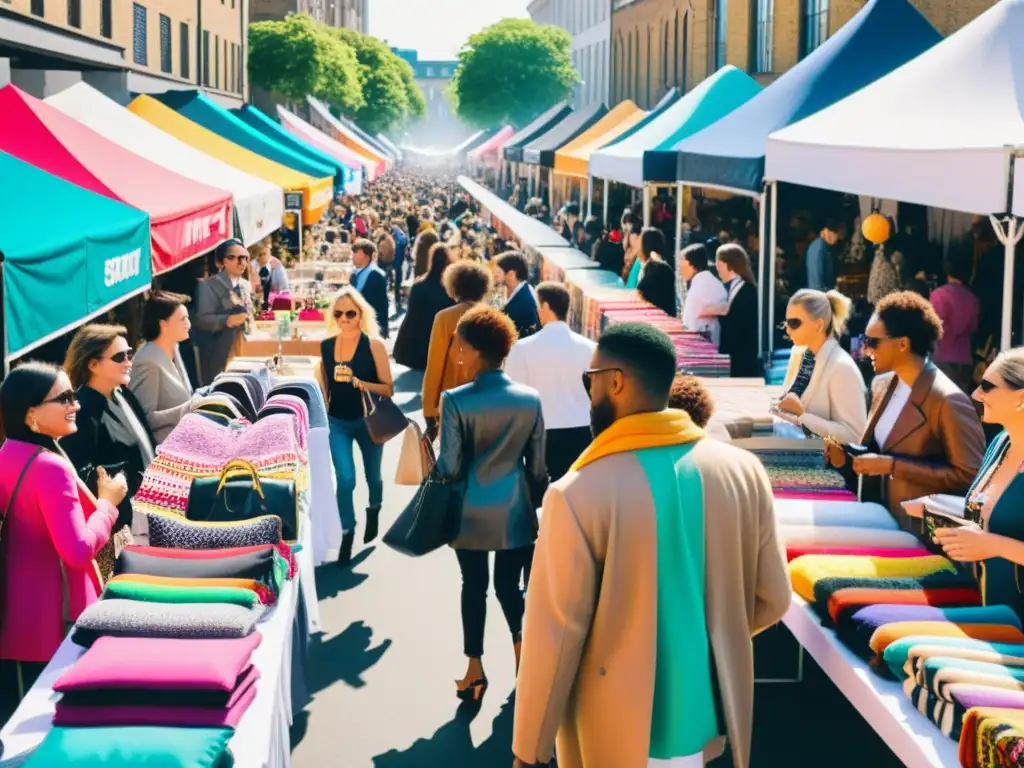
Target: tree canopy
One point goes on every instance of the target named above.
(512, 71)
(298, 57)
(355, 74)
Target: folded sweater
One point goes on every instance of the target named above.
(843, 514)
(897, 653)
(977, 724)
(937, 673)
(814, 535)
(806, 571)
(825, 588)
(997, 633)
(848, 601)
(917, 655)
(792, 553)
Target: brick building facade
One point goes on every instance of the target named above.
(659, 44)
(345, 14)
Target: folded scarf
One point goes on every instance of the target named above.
(937, 673)
(792, 553)
(160, 593)
(641, 430)
(263, 591)
(996, 633)
(849, 601)
(897, 655)
(849, 514)
(977, 724)
(825, 588)
(917, 655)
(806, 571)
(946, 716)
(813, 535)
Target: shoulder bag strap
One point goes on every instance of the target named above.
(17, 487)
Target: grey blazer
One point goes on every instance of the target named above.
(213, 341)
(162, 387)
(492, 439)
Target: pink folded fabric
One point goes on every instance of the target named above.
(819, 495)
(158, 715)
(160, 664)
(792, 553)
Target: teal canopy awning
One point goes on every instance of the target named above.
(198, 108)
(273, 130)
(56, 277)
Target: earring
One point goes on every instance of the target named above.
(1020, 406)
(34, 426)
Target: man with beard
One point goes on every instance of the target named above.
(656, 564)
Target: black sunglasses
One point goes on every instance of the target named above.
(351, 314)
(987, 386)
(589, 374)
(873, 342)
(241, 257)
(66, 398)
(120, 357)
(790, 322)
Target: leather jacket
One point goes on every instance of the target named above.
(492, 440)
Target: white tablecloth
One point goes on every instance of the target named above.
(324, 501)
(262, 738)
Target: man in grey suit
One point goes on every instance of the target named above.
(222, 305)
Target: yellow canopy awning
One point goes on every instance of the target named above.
(317, 193)
(574, 158)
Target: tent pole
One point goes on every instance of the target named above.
(604, 202)
(773, 229)
(590, 195)
(1009, 237)
(761, 257)
(679, 241)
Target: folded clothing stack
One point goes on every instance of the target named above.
(992, 736)
(948, 713)
(839, 514)
(832, 596)
(806, 571)
(151, 746)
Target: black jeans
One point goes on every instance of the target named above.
(508, 565)
(563, 447)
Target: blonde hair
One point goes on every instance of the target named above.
(367, 317)
(89, 344)
(832, 307)
(1010, 366)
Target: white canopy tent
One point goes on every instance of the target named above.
(944, 130)
(260, 204)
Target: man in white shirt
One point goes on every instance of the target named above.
(553, 361)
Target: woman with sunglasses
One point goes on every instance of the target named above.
(53, 527)
(824, 389)
(492, 440)
(223, 305)
(113, 432)
(354, 364)
(923, 434)
(996, 497)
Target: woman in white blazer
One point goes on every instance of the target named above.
(824, 389)
(159, 380)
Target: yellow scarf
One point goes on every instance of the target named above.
(642, 430)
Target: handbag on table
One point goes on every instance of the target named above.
(241, 494)
(431, 520)
(384, 419)
(417, 456)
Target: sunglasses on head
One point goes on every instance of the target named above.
(588, 376)
(349, 314)
(120, 357)
(66, 398)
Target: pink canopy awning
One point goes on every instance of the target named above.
(493, 145)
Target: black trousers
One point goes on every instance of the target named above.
(508, 565)
(563, 447)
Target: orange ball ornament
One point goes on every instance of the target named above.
(876, 229)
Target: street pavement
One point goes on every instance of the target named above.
(383, 671)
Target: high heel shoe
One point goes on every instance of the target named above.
(474, 691)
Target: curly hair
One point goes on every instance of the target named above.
(489, 331)
(906, 314)
(688, 394)
(467, 281)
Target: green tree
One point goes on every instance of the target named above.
(512, 71)
(297, 57)
(386, 91)
(417, 104)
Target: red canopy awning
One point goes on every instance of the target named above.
(186, 218)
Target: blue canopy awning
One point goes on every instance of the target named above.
(730, 153)
(541, 151)
(513, 148)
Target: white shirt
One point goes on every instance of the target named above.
(887, 420)
(552, 361)
(705, 290)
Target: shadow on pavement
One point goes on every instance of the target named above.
(413, 404)
(344, 657)
(330, 579)
(452, 744)
(408, 381)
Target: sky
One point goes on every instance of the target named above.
(437, 28)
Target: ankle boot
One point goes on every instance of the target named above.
(345, 553)
(372, 522)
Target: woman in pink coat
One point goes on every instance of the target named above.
(53, 526)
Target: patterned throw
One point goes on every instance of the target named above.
(806, 571)
(996, 633)
(980, 734)
(825, 588)
(898, 653)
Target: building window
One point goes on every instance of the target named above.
(233, 83)
(241, 67)
(684, 60)
(206, 58)
(430, 71)
(647, 97)
(38, 8)
(664, 58)
(75, 13)
(720, 18)
(216, 61)
(675, 50)
(765, 26)
(106, 19)
(183, 45)
(815, 25)
(139, 52)
(627, 90)
(165, 44)
(636, 68)
(227, 83)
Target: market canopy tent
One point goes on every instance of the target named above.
(258, 203)
(541, 151)
(672, 95)
(57, 277)
(323, 120)
(186, 218)
(512, 150)
(325, 143)
(936, 132)
(316, 193)
(528, 230)
(258, 121)
(493, 145)
(474, 141)
(200, 109)
(389, 145)
(730, 153)
(379, 148)
(574, 158)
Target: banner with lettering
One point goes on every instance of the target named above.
(180, 238)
